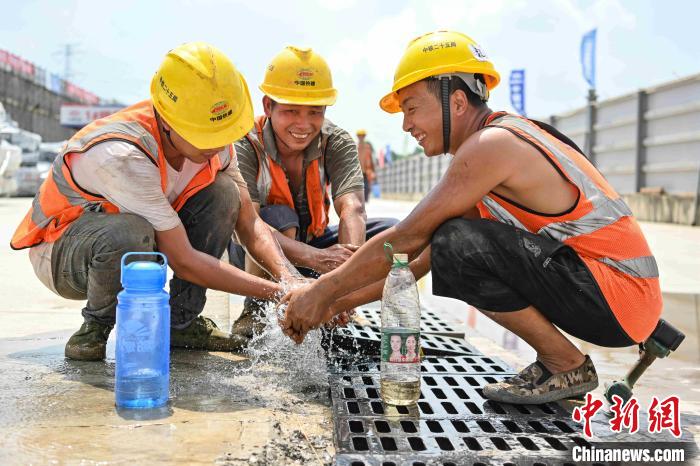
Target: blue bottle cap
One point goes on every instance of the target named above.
(144, 275)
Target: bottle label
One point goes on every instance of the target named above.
(134, 337)
(400, 345)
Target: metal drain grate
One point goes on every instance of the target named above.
(387, 436)
(452, 423)
(366, 339)
(453, 459)
(442, 397)
(478, 426)
(466, 365)
(430, 322)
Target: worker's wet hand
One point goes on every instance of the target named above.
(333, 257)
(341, 320)
(292, 283)
(304, 312)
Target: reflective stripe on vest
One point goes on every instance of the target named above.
(273, 187)
(605, 212)
(60, 201)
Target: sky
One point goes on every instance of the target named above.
(119, 45)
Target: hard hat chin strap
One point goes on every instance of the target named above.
(476, 85)
(445, 99)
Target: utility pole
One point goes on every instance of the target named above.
(68, 53)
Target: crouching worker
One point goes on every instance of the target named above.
(521, 226)
(291, 160)
(159, 175)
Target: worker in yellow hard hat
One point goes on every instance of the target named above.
(160, 175)
(297, 163)
(521, 226)
(365, 152)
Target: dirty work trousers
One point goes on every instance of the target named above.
(498, 267)
(86, 259)
(282, 218)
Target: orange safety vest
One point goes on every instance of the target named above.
(60, 200)
(274, 189)
(600, 228)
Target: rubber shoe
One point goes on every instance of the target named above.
(252, 321)
(89, 343)
(536, 384)
(203, 334)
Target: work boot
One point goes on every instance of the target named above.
(536, 384)
(252, 321)
(89, 343)
(203, 334)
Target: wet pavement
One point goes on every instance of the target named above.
(221, 411)
(226, 410)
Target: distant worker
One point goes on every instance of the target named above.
(159, 175)
(295, 161)
(365, 152)
(522, 226)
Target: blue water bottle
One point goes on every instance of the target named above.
(143, 334)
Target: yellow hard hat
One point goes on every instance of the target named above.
(299, 76)
(362, 132)
(202, 96)
(438, 53)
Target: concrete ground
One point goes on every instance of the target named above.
(223, 409)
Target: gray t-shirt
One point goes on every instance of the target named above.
(341, 163)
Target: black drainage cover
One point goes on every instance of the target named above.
(454, 396)
(453, 459)
(471, 364)
(452, 423)
(391, 436)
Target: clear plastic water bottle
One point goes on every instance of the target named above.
(400, 348)
(143, 334)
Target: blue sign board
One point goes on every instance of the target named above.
(588, 57)
(517, 91)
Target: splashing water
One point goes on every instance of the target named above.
(277, 359)
(304, 365)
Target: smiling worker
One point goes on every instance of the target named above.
(159, 175)
(291, 160)
(521, 226)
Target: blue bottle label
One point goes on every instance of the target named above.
(136, 338)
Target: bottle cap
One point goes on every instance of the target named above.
(401, 257)
(143, 274)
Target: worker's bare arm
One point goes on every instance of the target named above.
(373, 292)
(481, 163)
(303, 255)
(350, 208)
(207, 271)
(259, 241)
(420, 266)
